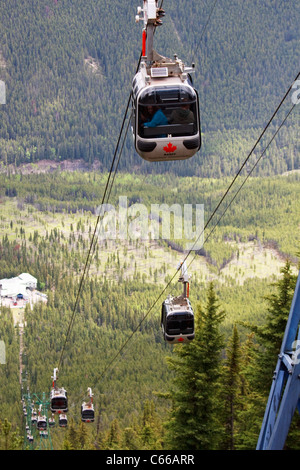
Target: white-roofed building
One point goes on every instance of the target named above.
(17, 285)
(28, 280)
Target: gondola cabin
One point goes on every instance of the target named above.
(87, 413)
(63, 421)
(58, 400)
(165, 105)
(177, 320)
(41, 423)
(165, 115)
(33, 420)
(51, 422)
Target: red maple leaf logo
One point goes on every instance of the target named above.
(170, 147)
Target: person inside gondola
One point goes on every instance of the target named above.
(155, 117)
(182, 115)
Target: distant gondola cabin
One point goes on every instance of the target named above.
(63, 421)
(177, 320)
(41, 423)
(58, 400)
(87, 413)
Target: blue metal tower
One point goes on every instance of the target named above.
(284, 395)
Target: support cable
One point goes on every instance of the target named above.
(94, 239)
(214, 212)
(92, 244)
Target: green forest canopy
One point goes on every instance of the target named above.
(68, 67)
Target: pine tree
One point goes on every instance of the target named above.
(9, 440)
(131, 440)
(231, 390)
(269, 336)
(194, 419)
(248, 417)
(150, 434)
(71, 437)
(83, 436)
(113, 439)
(77, 437)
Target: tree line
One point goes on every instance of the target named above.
(261, 211)
(60, 107)
(216, 394)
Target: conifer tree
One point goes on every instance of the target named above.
(71, 438)
(231, 390)
(114, 436)
(9, 439)
(269, 336)
(194, 419)
(150, 432)
(248, 418)
(270, 333)
(83, 436)
(77, 437)
(131, 440)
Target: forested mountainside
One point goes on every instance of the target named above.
(116, 344)
(68, 67)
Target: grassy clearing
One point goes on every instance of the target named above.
(148, 260)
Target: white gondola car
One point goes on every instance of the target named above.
(63, 420)
(51, 422)
(87, 412)
(165, 105)
(33, 420)
(41, 422)
(166, 122)
(58, 400)
(87, 409)
(177, 320)
(58, 397)
(34, 417)
(177, 316)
